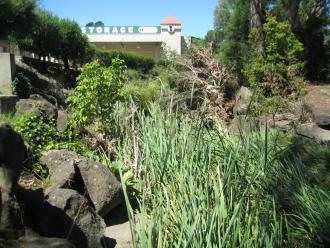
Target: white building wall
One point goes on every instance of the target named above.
(172, 40)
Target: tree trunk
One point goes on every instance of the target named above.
(292, 12)
(66, 63)
(257, 10)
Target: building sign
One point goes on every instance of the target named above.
(120, 30)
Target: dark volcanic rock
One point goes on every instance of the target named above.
(61, 166)
(102, 188)
(12, 152)
(36, 105)
(77, 208)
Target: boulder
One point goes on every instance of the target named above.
(282, 125)
(322, 119)
(12, 152)
(7, 104)
(77, 208)
(242, 124)
(37, 105)
(242, 101)
(62, 120)
(34, 240)
(103, 188)
(311, 130)
(71, 170)
(61, 166)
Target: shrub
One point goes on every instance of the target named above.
(38, 131)
(21, 86)
(98, 89)
(132, 60)
(278, 71)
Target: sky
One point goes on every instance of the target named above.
(196, 16)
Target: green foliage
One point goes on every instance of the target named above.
(45, 38)
(98, 89)
(200, 187)
(56, 37)
(232, 30)
(143, 91)
(132, 60)
(73, 45)
(38, 131)
(21, 86)
(277, 72)
(16, 17)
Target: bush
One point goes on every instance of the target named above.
(21, 86)
(98, 89)
(278, 71)
(132, 60)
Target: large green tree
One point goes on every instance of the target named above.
(45, 35)
(73, 44)
(232, 27)
(16, 17)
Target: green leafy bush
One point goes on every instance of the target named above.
(38, 131)
(278, 71)
(21, 86)
(132, 60)
(98, 89)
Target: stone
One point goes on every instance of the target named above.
(7, 104)
(7, 72)
(311, 130)
(282, 125)
(103, 188)
(242, 124)
(322, 119)
(37, 105)
(12, 154)
(62, 120)
(77, 208)
(60, 166)
(242, 101)
(34, 240)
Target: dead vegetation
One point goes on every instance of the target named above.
(204, 79)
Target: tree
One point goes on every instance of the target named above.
(313, 25)
(16, 17)
(257, 12)
(278, 71)
(232, 27)
(73, 44)
(45, 37)
(90, 24)
(99, 24)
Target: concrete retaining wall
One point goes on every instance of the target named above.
(7, 72)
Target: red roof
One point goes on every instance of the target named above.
(170, 20)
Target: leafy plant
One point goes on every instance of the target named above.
(21, 86)
(277, 73)
(98, 89)
(38, 131)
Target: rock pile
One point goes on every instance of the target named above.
(69, 213)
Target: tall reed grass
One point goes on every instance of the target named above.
(200, 187)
